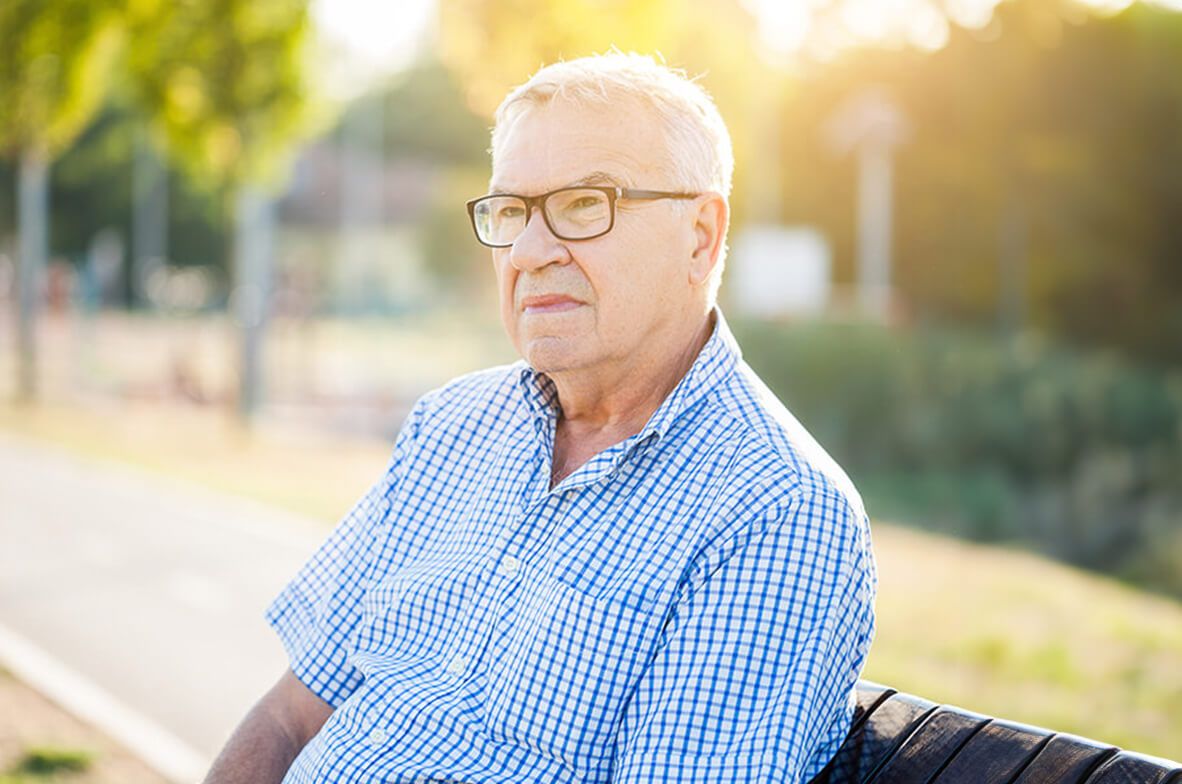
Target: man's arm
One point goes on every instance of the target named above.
(755, 665)
(264, 745)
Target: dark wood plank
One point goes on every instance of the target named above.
(873, 740)
(870, 694)
(1129, 768)
(930, 747)
(1065, 759)
(902, 739)
(995, 755)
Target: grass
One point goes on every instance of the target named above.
(45, 764)
(311, 474)
(46, 760)
(42, 744)
(1014, 635)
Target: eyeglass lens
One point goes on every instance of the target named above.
(571, 213)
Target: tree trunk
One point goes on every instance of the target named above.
(149, 217)
(33, 247)
(252, 264)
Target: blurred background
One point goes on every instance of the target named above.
(233, 250)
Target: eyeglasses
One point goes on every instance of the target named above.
(580, 213)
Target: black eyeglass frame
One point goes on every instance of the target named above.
(613, 193)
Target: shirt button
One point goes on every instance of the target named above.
(377, 736)
(510, 566)
(456, 666)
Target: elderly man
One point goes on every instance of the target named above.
(620, 559)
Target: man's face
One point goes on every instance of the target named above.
(593, 305)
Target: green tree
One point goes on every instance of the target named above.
(1039, 187)
(225, 83)
(54, 68)
(496, 44)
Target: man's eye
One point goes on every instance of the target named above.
(585, 203)
(511, 212)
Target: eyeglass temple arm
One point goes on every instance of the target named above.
(633, 193)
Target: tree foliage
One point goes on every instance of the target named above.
(55, 63)
(224, 85)
(496, 44)
(1043, 161)
(92, 191)
(224, 82)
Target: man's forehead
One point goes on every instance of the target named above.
(559, 146)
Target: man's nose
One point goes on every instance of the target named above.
(536, 246)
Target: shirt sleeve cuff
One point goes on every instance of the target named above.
(317, 661)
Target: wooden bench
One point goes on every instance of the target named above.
(901, 739)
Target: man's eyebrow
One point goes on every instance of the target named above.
(594, 178)
(599, 178)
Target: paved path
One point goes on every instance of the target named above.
(149, 590)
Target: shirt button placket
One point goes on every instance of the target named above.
(455, 667)
(509, 566)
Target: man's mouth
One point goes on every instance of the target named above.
(548, 303)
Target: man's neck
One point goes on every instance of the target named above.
(600, 410)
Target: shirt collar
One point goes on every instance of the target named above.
(713, 365)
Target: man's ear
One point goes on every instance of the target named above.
(711, 217)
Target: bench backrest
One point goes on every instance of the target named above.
(902, 739)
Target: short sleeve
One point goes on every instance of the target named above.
(753, 675)
(316, 614)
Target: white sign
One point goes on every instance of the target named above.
(780, 271)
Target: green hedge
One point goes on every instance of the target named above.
(1022, 440)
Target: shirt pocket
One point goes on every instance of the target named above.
(567, 664)
(412, 613)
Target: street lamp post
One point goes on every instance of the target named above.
(871, 125)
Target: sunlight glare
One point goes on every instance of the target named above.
(971, 14)
(370, 40)
(787, 27)
(928, 28)
(783, 26)
(1107, 7)
(876, 20)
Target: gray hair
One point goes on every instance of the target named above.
(699, 146)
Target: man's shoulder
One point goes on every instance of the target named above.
(770, 435)
(479, 388)
(473, 409)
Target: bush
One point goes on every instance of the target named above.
(1078, 455)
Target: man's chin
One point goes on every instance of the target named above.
(553, 354)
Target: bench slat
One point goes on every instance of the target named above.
(898, 738)
(1065, 759)
(1129, 768)
(995, 755)
(872, 741)
(928, 750)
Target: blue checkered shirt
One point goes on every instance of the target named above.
(692, 605)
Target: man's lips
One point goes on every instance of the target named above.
(549, 303)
